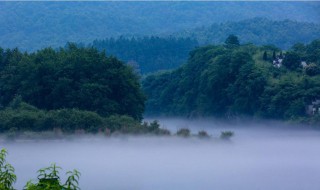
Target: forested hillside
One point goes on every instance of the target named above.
(35, 25)
(70, 90)
(234, 80)
(73, 77)
(259, 31)
(148, 54)
(151, 54)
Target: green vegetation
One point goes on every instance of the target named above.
(34, 25)
(226, 135)
(148, 54)
(7, 176)
(21, 117)
(70, 90)
(203, 134)
(235, 80)
(259, 31)
(184, 132)
(71, 77)
(48, 178)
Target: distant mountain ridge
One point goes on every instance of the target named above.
(260, 31)
(151, 54)
(34, 25)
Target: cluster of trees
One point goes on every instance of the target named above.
(72, 77)
(19, 117)
(296, 56)
(71, 89)
(259, 31)
(234, 80)
(148, 54)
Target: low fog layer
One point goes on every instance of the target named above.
(255, 158)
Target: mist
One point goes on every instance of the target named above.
(255, 158)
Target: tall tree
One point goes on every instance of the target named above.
(265, 56)
(232, 40)
(292, 61)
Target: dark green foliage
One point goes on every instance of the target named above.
(246, 90)
(232, 40)
(312, 69)
(127, 125)
(313, 52)
(216, 81)
(265, 56)
(235, 82)
(292, 61)
(49, 179)
(24, 117)
(288, 97)
(226, 135)
(148, 54)
(184, 132)
(203, 134)
(281, 55)
(274, 55)
(73, 77)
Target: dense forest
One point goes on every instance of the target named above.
(233, 80)
(35, 25)
(70, 89)
(73, 77)
(259, 31)
(148, 54)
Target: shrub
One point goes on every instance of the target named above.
(49, 180)
(7, 176)
(226, 135)
(203, 134)
(184, 132)
(154, 126)
(312, 69)
(70, 120)
(123, 124)
(164, 132)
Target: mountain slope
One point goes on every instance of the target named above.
(33, 25)
(259, 31)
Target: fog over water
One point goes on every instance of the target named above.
(261, 156)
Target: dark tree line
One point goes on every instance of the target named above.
(71, 77)
(259, 31)
(148, 54)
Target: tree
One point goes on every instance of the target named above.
(312, 69)
(292, 61)
(265, 56)
(232, 40)
(73, 77)
(281, 55)
(274, 55)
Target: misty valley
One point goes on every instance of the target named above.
(92, 98)
(257, 157)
